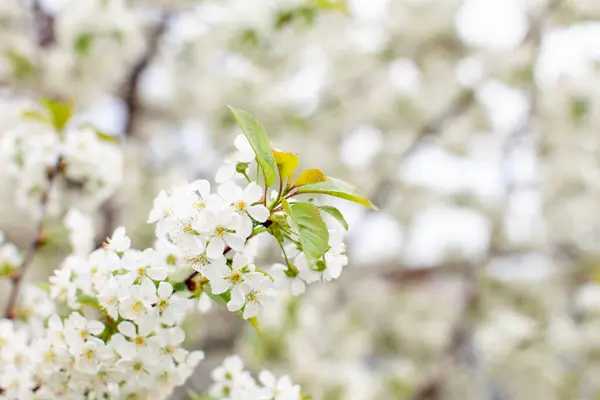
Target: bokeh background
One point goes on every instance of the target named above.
(472, 124)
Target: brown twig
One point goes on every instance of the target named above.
(44, 25)
(130, 96)
(36, 243)
(131, 88)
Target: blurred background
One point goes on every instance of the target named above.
(472, 124)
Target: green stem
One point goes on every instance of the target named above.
(245, 174)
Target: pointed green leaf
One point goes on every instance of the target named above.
(257, 136)
(35, 116)
(59, 113)
(337, 188)
(313, 233)
(106, 137)
(335, 213)
(254, 322)
(286, 163)
(310, 176)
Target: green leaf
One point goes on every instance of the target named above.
(106, 137)
(257, 136)
(275, 230)
(335, 213)
(337, 188)
(334, 5)
(21, 66)
(313, 233)
(195, 396)
(254, 322)
(88, 301)
(221, 299)
(83, 43)
(59, 113)
(286, 163)
(310, 176)
(35, 116)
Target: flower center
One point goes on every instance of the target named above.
(139, 340)
(253, 296)
(162, 304)
(240, 206)
(137, 307)
(235, 278)
(220, 231)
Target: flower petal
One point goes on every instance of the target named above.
(259, 212)
(164, 290)
(252, 193)
(127, 328)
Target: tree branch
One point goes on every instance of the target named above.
(36, 243)
(44, 25)
(131, 88)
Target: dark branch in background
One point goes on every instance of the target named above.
(44, 25)
(130, 92)
(130, 96)
(36, 242)
(533, 37)
(458, 344)
(456, 108)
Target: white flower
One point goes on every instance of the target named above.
(282, 280)
(136, 301)
(251, 295)
(278, 389)
(243, 201)
(92, 355)
(220, 226)
(171, 307)
(108, 297)
(81, 231)
(170, 341)
(10, 258)
(243, 154)
(334, 261)
(222, 278)
(16, 384)
(196, 257)
(162, 207)
(140, 369)
(78, 329)
(229, 377)
(132, 340)
(204, 303)
(141, 264)
(118, 242)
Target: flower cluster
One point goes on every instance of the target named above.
(87, 164)
(109, 323)
(233, 382)
(211, 230)
(121, 338)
